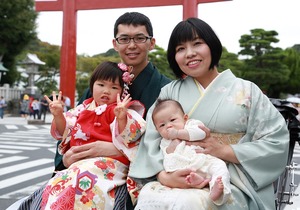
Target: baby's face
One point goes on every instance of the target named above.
(168, 118)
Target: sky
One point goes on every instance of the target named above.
(229, 19)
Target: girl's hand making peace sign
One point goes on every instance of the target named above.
(56, 106)
(121, 108)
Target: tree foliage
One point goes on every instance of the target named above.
(17, 30)
(86, 65)
(48, 73)
(263, 64)
(159, 58)
(230, 61)
(292, 60)
(274, 70)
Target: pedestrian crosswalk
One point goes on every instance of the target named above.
(26, 159)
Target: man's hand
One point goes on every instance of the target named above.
(91, 150)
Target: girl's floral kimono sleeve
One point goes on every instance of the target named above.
(127, 142)
(129, 138)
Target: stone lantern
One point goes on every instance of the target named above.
(31, 64)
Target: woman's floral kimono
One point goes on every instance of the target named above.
(228, 106)
(91, 183)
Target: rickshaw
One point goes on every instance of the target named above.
(284, 186)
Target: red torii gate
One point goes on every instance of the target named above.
(70, 8)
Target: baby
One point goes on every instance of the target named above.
(175, 129)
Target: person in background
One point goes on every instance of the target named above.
(67, 102)
(133, 40)
(43, 108)
(31, 99)
(35, 106)
(255, 159)
(2, 106)
(24, 111)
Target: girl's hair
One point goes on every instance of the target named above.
(107, 71)
(188, 30)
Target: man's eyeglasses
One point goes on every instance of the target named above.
(136, 39)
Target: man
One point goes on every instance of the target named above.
(133, 40)
(2, 106)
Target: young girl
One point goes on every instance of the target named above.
(91, 183)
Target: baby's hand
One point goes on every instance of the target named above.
(172, 133)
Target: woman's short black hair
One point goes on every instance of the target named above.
(188, 30)
(107, 71)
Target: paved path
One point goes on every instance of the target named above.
(9, 120)
(26, 157)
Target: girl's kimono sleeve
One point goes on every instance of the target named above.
(128, 140)
(71, 117)
(263, 151)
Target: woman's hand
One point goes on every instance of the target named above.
(214, 147)
(177, 179)
(91, 150)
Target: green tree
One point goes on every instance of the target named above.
(230, 61)
(87, 64)
(292, 60)
(159, 58)
(17, 30)
(263, 64)
(48, 73)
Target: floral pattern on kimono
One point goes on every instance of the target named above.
(91, 183)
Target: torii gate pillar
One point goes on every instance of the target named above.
(70, 8)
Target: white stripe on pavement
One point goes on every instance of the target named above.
(17, 147)
(30, 127)
(18, 194)
(27, 140)
(21, 166)
(27, 144)
(12, 159)
(9, 151)
(25, 177)
(11, 127)
(18, 136)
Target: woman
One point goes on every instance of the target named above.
(245, 129)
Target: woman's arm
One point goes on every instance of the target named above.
(91, 150)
